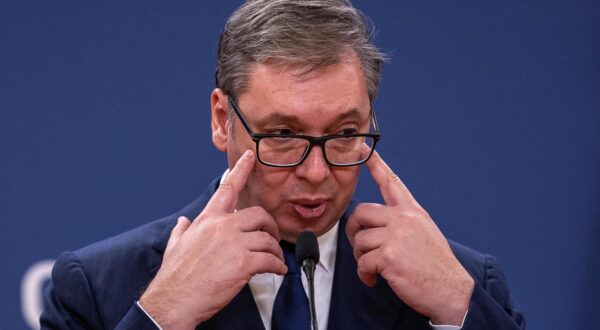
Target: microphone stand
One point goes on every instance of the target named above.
(307, 256)
(308, 266)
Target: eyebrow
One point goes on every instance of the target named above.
(279, 118)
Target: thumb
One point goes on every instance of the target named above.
(182, 225)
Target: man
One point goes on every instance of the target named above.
(292, 110)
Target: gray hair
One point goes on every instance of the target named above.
(311, 33)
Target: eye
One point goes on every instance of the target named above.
(282, 131)
(348, 131)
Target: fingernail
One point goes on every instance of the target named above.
(180, 219)
(248, 154)
(365, 147)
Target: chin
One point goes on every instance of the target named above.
(292, 226)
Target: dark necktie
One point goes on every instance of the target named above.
(291, 309)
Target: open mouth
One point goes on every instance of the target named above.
(310, 210)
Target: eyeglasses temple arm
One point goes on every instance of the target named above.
(374, 121)
(240, 115)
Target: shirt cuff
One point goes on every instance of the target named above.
(449, 327)
(137, 302)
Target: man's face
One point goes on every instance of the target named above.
(313, 195)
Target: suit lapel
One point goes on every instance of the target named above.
(240, 313)
(191, 211)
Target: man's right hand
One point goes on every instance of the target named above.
(207, 262)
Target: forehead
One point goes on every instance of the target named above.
(312, 98)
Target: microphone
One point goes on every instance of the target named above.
(307, 256)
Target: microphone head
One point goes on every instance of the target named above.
(307, 247)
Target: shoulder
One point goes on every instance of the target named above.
(133, 242)
(99, 282)
(95, 286)
(134, 251)
(492, 301)
(138, 247)
(482, 267)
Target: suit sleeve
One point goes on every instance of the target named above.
(492, 306)
(69, 301)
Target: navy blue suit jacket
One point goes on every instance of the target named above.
(96, 287)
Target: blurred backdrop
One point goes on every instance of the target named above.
(489, 110)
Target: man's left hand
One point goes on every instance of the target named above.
(400, 241)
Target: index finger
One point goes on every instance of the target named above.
(226, 196)
(393, 190)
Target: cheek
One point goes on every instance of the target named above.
(267, 185)
(346, 179)
(238, 142)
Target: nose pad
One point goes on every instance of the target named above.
(314, 168)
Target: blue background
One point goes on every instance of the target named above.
(490, 112)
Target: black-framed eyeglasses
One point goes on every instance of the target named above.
(288, 150)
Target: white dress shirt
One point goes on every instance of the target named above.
(264, 286)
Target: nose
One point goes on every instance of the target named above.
(314, 169)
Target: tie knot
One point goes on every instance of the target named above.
(289, 253)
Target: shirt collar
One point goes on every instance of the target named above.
(327, 248)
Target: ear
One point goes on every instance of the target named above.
(218, 110)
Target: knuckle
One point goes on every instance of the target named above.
(217, 226)
(269, 260)
(391, 177)
(360, 209)
(253, 209)
(258, 211)
(407, 215)
(389, 254)
(424, 214)
(226, 185)
(359, 240)
(351, 233)
(356, 216)
(365, 209)
(265, 214)
(220, 224)
(360, 212)
(361, 263)
(267, 240)
(416, 214)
